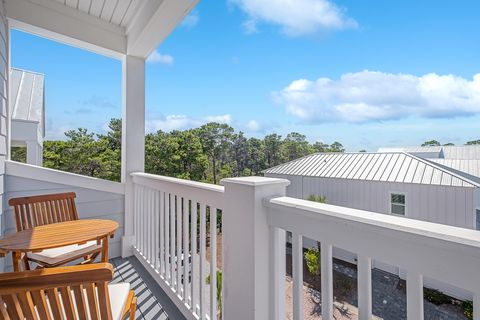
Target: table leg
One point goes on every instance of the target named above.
(16, 259)
(105, 249)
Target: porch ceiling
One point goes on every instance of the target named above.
(109, 27)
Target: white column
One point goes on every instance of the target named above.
(414, 296)
(34, 153)
(133, 138)
(247, 267)
(364, 288)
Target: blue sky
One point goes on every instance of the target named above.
(365, 73)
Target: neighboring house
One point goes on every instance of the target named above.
(393, 182)
(27, 107)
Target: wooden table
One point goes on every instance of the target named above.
(58, 235)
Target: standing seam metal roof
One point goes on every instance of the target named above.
(27, 101)
(388, 166)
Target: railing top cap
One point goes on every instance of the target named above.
(255, 181)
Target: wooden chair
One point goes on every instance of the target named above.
(46, 209)
(74, 292)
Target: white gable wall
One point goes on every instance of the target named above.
(447, 205)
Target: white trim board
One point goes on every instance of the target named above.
(23, 170)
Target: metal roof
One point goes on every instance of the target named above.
(27, 101)
(387, 166)
(471, 167)
(471, 152)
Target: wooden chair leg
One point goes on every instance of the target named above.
(130, 306)
(26, 264)
(133, 308)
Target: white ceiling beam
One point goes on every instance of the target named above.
(155, 20)
(53, 20)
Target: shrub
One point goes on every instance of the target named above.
(468, 309)
(343, 286)
(436, 297)
(321, 199)
(312, 257)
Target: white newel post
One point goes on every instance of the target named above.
(34, 152)
(133, 138)
(247, 263)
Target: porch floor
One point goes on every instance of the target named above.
(153, 303)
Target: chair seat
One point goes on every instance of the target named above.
(118, 293)
(57, 255)
(118, 298)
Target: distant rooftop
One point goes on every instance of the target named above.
(443, 152)
(381, 166)
(27, 96)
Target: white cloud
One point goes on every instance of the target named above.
(253, 126)
(295, 17)
(226, 118)
(157, 57)
(182, 122)
(369, 96)
(191, 20)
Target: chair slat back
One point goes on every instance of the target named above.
(75, 292)
(43, 209)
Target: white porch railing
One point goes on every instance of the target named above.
(256, 216)
(441, 252)
(171, 239)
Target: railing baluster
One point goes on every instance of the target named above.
(142, 221)
(172, 241)
(414, 296)
(186, 254)
(297, 256)
(203, 236)
(168, 275)
(213, 263)
(277, 291)
(180, 257)
(194, 281)
(327, 281)
(156, 231)
(476, 305)
(136, 218)
(148, 227)
(162, 233)
(364, 279)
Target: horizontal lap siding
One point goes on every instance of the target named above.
(3, 112)
(91, 204)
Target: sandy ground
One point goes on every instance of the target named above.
(312, 308)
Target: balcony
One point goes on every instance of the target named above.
(171, 219)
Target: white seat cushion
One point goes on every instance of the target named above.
(118, 298)
(57, 255)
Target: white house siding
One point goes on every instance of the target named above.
(440, 204)
(3, 111)
(91, 204)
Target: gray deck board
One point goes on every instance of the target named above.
(152, 302)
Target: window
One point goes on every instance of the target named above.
(478, 218)
(397, 204)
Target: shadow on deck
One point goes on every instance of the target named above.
(153, 303)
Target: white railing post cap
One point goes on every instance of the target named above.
(255, 181)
